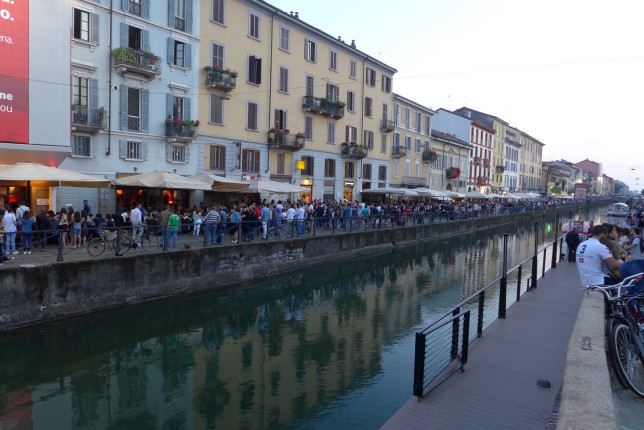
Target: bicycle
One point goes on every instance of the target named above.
(625, 332)
(97, 245)
(149, 241)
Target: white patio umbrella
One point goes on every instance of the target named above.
(475, 195)
(265, 185)
(39, 175)
(221, 183)
(162, 179)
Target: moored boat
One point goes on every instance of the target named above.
(618, 210)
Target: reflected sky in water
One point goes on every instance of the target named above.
(322, 349)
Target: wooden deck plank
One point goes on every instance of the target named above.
(499, 387)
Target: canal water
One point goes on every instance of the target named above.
(321, 349)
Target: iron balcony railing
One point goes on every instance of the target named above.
(225, 80)
(134, 7)
(352, 150)
(416, 181)
(442, 348)
(180, 131)
(387, 125)
(398, 151)
(134, 123)
(128, 59)
(323, 106)
(88, 117)
(285, 141)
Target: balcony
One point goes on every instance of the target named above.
(323, 107)
(486, 163)
(387, 125)
(88, 120)
(500, 169)
(481, 180)
(352, 150)
(134, 124)
(217, 78)
(398, 151)
(413, 181)
(477, 161)
(181, 131)
(284, 141)
(128, 60)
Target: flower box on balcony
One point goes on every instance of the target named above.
(181, 131)
(223, 79)
(136, 61)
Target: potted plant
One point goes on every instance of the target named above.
(299, 138)
(429, 156)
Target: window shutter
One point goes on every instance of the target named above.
(145, 111)
(95, 28)
(144, 151)
(277, 119)
(122, 148)
(123, 108)
(93, 93)
(244, 159)
(222, 158)
(348, 134)
(187, 153)
(258, 67)
(187, 108)
(145, 40)
(313, 53)
(188, 16)
(328, 91)
(170, 58)
(210, 157)
(251, 68)
(170, 13)
(145, 9)
(169, 105)
(188, 56)
(124, 4)
(168, 153)
(124, 34)
(256, 161)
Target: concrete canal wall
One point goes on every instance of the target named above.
(44, 293)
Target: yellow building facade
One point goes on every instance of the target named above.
(283, 100)
(531, 158)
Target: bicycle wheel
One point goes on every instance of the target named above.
(612, 351)
(96, 247)
(126, 244)
(150, 242)
(286, 231)
(628, 357)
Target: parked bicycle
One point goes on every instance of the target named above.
(97, 245)
(625, 331)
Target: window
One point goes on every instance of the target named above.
(333, 60)
(427, 145)
(427, 125)
(366, 171)
(310, 85)
(217, 55)
(351, 101)
(134, 38)
(216, 109)
(83, 23)
(329, 168)
(349, 169)
(134, 150)
(179, 15)
(308, 127)
(253, 25)
(368, 107)
(219, 11)
(134, 7)
(281, 119)
(330, 134)
(133, 109)
(310, 50)
(283, 83)
(395, 172)
(418, 121)
(285, 39)
(178, 154)
(386, 84)
(250, 160)
(215, 157)
(351, 134)
(408, 143)
(332, 92)
(382, 173)
(397, 140)
(80, 91)
(254, 70)
(177, 108)
(179, 54)
(397, 114)
(371, 77)
(281, 163)
(368, 139)
(407, 117)
(82, 146)
(385, 111)
(383, 143)
(308, 166)
(252, 110)
(418, 145)
(353, 65)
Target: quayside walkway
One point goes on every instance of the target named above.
(498, 389)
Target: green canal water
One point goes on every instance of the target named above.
(322, 349)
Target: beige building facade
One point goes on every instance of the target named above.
(530, 164)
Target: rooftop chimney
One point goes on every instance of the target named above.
(297, 15)
(353, 43)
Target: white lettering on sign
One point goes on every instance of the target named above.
(6, 96)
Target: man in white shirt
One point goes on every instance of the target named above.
(137, 222)
(301, 219)
(594, 259)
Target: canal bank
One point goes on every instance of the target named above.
(42, 293)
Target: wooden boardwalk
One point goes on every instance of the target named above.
(498, 389)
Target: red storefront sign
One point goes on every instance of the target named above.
(14, 71)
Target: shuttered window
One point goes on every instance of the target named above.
(368, 107)
(308, 127)
(217, 55)
(283, 83)
(216, 109)
(351, 134)
(254, 70)
(218, 11)
(250, 160)
(253, 25)
(251, 115)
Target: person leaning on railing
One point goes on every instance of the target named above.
(591, 258)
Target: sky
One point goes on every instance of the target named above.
(567, 72)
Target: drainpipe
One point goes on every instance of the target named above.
(270, 93)
(109, 88)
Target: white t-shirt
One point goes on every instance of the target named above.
(9, 222)
(135, 216)
(290, 214)
(635, 252)
(590, 262)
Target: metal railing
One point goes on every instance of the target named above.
(441, 348)
(323, 106)
(220, 78)
(398, 151)
(90, 117)
(173, 129)
(140, 60)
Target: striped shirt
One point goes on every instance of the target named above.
(212, 217)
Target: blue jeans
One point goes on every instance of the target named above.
(211, 230)
(172, 239)
(221, 230)
(10, 242)
(300, 227)
(26, 240)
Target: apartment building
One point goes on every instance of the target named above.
(411, 138)
(284, 100)
(448, 170)
(512, 149)
(530, 164)
(133, 99)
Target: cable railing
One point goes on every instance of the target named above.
(441, 349)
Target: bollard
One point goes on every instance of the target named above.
(454, 351)
(535, 263)
(519, 283)
(479, 326)
(118, 252)
(504, 279)
(60, 246)
(166, 239)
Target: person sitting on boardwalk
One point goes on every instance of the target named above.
(594, 259)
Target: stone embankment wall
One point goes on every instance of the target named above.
(35, 295)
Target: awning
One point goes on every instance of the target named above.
(389, 190)
(38, 175)
(221, 183)
(265, 185)
(162, 179)
(475, 195)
